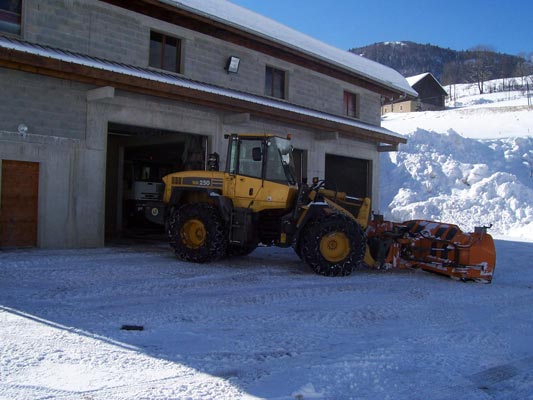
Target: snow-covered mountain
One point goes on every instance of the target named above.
(470, 165)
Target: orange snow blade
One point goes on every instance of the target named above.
(437, 247)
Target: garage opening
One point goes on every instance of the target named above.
(19, 193)
(137, 160)
(350, 175)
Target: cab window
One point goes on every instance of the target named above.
(242, 158)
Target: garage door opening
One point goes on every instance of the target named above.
(137, 160)
(350, 175)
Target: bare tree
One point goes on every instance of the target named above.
(479, 65)
(522, 70)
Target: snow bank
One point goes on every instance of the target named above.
(457, 177)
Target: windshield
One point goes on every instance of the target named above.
(280, 164)
(267, 158)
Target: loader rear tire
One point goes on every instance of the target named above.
(334, 246)
(197, 233)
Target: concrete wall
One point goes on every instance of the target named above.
(101, 30)
(54, 111)
(69, 212)
(47, 106)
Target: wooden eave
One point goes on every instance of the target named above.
(57, 68)
(210, 27)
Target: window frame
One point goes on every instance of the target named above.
(270, 87)
(351, 108)
(20, 20)
(162, 45)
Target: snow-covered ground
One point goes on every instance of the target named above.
(262, 326)
(495, 91)
(471, 165)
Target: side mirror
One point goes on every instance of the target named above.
(256, 154)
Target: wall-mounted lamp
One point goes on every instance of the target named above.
(22, 129)
(233, 64)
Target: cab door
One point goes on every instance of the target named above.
(249, 179)
(245, 178)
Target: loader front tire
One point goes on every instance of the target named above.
(334, 246)
(197, 233)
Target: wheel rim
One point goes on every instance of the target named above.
(335, 246)
(193, 233)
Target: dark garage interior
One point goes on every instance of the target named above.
(137, 160)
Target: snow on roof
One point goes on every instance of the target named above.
(413, 80)
(239, 17)
(168, 78)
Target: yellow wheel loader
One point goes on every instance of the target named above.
(213, 214)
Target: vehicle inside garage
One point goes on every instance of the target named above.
(137, 160)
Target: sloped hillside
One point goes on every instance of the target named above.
(446, 65)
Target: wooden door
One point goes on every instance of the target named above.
(18, 203)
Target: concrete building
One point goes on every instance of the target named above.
(431, 96)
(97, 95)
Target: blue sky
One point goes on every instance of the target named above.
(506, 26)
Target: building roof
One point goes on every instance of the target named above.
(413, 80)
(225, 12)
(221, 95)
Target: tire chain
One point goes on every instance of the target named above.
(216, 238)
(310, 245)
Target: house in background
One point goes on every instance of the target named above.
(99, 95)
(431, 96)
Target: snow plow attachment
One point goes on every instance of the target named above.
(431, 246)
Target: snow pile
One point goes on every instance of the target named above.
(448, 172)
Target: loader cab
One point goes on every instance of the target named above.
(265, 157)
(260, 171)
